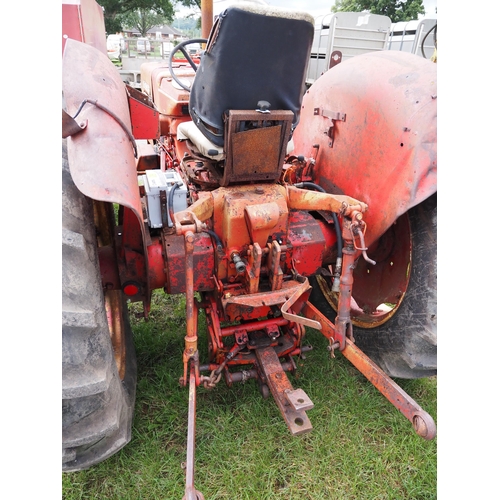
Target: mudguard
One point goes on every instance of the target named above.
(101, 156)
(374, 119)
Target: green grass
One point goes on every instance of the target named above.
(361, 447)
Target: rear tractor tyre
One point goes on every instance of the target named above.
(395, 310)
(98, 358)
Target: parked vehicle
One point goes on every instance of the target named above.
(417, 36)
(341, 35)
(288, 215)
(115, 45)
(143, 45)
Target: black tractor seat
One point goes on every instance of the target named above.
(251, 76)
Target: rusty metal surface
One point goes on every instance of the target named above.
(298, 399)
(113, 303)
(299, 295)
(156, 81)
(257, 154)
(422, 422)
(296, 420)
(190, 492)
(304, 199)
(101, 158)
(174, 263)
(157, 270)
(387, 281)
(237, 307)
(385, 153)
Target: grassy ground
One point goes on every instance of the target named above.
(360, 446)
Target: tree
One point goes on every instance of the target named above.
(115, 11)
(191, 3)
(396, 10)
(143, 20)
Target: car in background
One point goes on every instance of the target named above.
(143, 45)
(115, 44)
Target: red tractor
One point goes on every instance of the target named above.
(284, 210)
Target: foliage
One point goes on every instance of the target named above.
(143, 20)
(116, 11)
(191, 3)
(396, 10)
(189, 25)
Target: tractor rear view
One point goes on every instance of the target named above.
(279, 212)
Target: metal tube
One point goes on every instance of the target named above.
(207, 17)
(191, 339)
(191, 493)
(252, 327)
(422, 422)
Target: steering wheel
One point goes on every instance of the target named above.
(189, 59)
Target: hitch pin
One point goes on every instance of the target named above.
(356, 231)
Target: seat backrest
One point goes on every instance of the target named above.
(254, 53)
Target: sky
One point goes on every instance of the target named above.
(313, 7)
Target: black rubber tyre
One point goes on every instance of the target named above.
(405, 346)
(97, 405)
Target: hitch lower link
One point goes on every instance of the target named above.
(297, 309)
(340, 335)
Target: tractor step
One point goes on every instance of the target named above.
(292, 403)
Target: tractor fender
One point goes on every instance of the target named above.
(374, 119)
(101, 156)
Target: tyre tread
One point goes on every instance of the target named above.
(97, 406)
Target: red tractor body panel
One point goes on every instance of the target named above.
(385, 152)
(83, 20)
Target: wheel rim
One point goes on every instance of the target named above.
(379, 290)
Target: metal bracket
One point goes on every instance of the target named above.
(302, 291)
(334, 116)
(70, 126)
(299, 399)
(284, 395)
(335, 58)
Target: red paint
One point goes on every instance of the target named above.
(385, 152)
